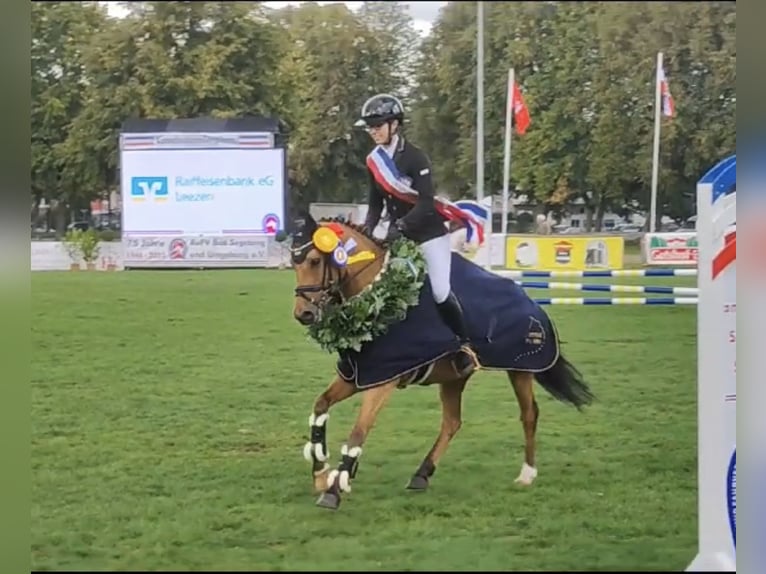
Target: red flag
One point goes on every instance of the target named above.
(520, 111)
(668, 105)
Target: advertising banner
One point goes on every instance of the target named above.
(671, 248)
(198, 199)
(564, 253)
(202, 251)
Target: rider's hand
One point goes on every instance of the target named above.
(394, 231)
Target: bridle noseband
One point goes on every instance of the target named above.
(330, 289)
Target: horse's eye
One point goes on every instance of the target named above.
(314, 261)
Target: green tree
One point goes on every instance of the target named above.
(333, 63)
(60, 34)
(587, 71)
(171, 60)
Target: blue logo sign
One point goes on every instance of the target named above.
(143, 188)
(731, 496)
(270, 223)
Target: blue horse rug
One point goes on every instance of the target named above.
(508, 330)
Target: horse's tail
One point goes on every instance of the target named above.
(565, 383)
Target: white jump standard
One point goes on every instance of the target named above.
(716, 374)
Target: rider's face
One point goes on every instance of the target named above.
(380, 133)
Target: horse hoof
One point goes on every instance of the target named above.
(329, 500)
(418, 483)
(527, 475)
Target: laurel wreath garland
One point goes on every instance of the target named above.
(384, 302)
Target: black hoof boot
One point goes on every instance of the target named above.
(419, 481)
(329, 499)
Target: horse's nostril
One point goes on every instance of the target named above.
(306, 317)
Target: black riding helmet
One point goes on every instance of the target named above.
(379, 109)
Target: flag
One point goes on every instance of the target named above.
(668, 106)
(520, 111)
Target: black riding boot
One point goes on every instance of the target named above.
(451, 312)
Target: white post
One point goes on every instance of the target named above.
(479, 101)
(507, 153)
(716, 371)
(488, 234)
(656, 153)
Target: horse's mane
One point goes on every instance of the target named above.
(356, 227)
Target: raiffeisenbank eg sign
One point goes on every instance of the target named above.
(193, 188)
(202, 192)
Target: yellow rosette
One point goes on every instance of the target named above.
(325, 240)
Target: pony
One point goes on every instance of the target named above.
(321, 282)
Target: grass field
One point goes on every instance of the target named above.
(170, 410)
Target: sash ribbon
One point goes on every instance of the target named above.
(387, 175)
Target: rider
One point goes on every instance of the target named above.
(418, 219)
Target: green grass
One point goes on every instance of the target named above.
(170, 410)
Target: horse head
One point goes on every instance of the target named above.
(333, 260)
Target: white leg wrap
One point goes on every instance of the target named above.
(315, 450)
(354, 452)
(332, 476)
(344, 481)
(319, 421)
(343, 477)
(527, 474)
(308, 448)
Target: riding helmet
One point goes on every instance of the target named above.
(381, 108)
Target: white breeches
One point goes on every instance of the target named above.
(438, 255)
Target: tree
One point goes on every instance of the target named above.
(170, 60)
(60, 34)
(587, 72)
(333, 63)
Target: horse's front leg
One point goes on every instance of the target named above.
(339, 479)
(315, 450)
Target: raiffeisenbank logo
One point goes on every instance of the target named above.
(187, 189)
(144, 188)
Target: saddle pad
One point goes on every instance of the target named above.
(508, 330)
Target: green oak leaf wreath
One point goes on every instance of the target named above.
(384, 302)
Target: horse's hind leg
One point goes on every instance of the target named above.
(373, 401)
(315, 451)
(523, 385)
(451, 394)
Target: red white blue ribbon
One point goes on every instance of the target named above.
(387, 175)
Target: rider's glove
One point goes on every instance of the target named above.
(394, 231)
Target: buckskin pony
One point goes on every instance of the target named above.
(509, 332)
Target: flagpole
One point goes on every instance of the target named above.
(656, 154)
(479, 101)
(480, 122)
(507, 152)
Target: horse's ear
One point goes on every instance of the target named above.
(304, 225)
(303, 221)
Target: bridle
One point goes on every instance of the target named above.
(330, 288)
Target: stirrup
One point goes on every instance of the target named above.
(468, 350)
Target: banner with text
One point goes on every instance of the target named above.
(202, 251)
(678, 248)
(553, 253)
